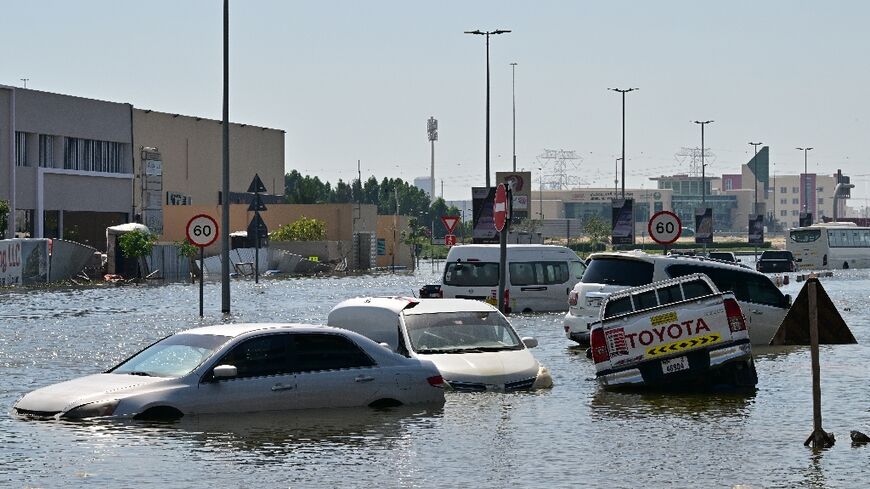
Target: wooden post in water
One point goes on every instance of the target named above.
(819, 438)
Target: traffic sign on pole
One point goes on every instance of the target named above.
(450, 239)
(450, 223)
(664, 227)
(202, 230)
(499, 207)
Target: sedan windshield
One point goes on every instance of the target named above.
(173, 356)
(460, 332)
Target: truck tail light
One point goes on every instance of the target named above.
(735, 316)
(598, 345)
(572, 298)
(436, 381)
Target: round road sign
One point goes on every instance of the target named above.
(499, 207)
(202, 230)
(664, 227)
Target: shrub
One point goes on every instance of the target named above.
(303, 229)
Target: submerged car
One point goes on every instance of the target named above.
(776, 261)
(473, 345)
(723, 256)
(235, 368)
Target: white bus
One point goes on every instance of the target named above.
(830, 245)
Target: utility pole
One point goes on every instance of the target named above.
(432, 127)
(225, 194)
(806, 180)
(25, 81)
(703, 166)
(514, 96)
(623, 92)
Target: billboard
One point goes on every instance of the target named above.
(756, 229)
(622, 222)
(23, 261)
(483, 230)
(704, 225)
(520, 184)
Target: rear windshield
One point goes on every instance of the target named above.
(776, 255)
(618, 271)
(747, 286)
(722, 256)
(471, 274)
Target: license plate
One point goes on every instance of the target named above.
(672, 365)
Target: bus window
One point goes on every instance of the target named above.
(805, 235)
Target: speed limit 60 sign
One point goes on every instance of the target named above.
(664, 227)
(202, 230)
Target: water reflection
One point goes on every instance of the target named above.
(643, 405)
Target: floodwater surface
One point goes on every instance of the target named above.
(576, 434)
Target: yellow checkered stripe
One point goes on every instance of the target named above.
(682, 345)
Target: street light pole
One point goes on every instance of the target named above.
(616, 177)
(541, 194)
(703, 166)
(514, 96)
(806, 180)
(623, 92)
(487, 34)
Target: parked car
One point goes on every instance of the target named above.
(676, 333)
(776, 261)
(723, 256)
(539, 277)
(764, 303)
(236, 368)
(473, 345)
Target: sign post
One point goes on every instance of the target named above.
(202, 230)
(664, 227)
(501, 218)
(257, 205)
(450, 224)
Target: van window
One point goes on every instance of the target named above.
(617, 271)
(471, 274)
(669, 295)
(538, 273)
(695, 289)
(617, 306)
(645, 300)
(747, 287)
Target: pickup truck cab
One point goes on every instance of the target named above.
(674, 333)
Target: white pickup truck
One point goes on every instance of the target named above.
(680, 332)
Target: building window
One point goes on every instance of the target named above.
(92, 155)
(783, 190)
(783, 201)
(795, 201)
(20, 148)
(795, 190)
(821, 201)
(783, 213)
(820, 190)
(795, 213)
(46, 151)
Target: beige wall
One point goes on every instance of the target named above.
(339, 218)
(192, 153)
(393, 241)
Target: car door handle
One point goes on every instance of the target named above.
(533, 288)
(282, 387)
(756, 311)
(363, 378)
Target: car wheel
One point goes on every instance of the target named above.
(385, 403)
(160, 413)
(845, 265)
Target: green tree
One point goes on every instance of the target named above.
(4, 216)
(138, 245)
(596, 230)
(303, 229)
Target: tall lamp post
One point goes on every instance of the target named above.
(623, 91)
(514, 97)
(806, 180)
(541, 193)
(703, 166)
(616, 177)
(487, 34)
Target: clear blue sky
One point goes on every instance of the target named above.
(355, 80)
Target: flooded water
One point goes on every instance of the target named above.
(575, 434)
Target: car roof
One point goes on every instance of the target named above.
(237, 329)
(680, 259)
(411, 305)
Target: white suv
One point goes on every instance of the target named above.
(763, 303)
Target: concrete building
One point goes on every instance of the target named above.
(67, 164)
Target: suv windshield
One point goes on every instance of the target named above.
(618, 271)
(174, 356)
(460, 332)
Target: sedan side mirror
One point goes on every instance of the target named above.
(530, 342)
(225, 371)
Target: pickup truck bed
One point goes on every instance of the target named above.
(678, 333)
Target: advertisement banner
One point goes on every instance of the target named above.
(704, 225)
(622, 222)
(23, 261)
(520, 184)
(756, 229)
(482, 200)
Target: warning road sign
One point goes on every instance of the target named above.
(450, 223)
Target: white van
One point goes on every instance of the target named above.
(763, 303)
(539, 277)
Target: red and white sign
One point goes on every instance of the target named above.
(450, 223)
(664, 227)
(499, 207)
(202, 230)
(449, 239)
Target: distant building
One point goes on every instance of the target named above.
(424, 184)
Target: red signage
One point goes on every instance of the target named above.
(450, 223)
(499, 207)
(450, 239)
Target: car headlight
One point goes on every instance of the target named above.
(544, 380)
(92, 409)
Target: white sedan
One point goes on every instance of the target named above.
(243, 368)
